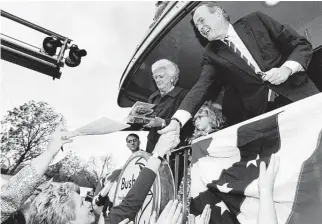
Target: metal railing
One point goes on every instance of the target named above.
(182, 151)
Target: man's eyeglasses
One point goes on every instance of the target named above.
(132, 141)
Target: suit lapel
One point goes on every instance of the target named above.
(246, 34)
(229, 55)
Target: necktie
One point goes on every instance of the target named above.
(231, 45)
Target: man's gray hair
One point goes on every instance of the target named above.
(55, 205)
(171, 69)
(212, 7)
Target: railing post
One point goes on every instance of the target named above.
(33, 26)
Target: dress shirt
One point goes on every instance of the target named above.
(183, 116)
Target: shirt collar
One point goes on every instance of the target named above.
(230, 33)
(173, 93)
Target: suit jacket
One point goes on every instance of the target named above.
(270, 44)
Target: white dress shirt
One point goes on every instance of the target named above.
(183, 116)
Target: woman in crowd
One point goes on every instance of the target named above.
(167, 99)
(22, 185)
(60, 204)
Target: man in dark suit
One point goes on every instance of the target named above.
(255, 58)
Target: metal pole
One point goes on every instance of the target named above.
(176, 172)
(26, 50)
(306, 33)
(33, 26)
(185, 184)
(61, 53)
(29, 61)
(27, 56)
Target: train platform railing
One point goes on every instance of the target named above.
(177, 153)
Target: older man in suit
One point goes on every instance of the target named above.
(256, 57)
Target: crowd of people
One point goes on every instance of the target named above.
(39, 202)
(251, 76)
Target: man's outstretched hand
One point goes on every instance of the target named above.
(173, 128)
(166, 142)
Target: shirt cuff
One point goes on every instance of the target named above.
(294, 66)
(183, 116)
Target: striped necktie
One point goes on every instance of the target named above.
(231, 45)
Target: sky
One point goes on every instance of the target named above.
(110, 32)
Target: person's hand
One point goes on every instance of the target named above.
(166, 142)
(267, 176)
(126, 221)
(106, 189)
(174, 126)
(204, 218)
(277, 76)
(59, 138)
(171, 214)
(97, 209)
(98, 201)
(155, 123)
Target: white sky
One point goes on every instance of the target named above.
(110, 32)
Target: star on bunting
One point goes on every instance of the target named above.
(252, 161)
(223, 188)
(223, 207)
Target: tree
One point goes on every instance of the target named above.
(26, 131)
(5, 164)
(65, 169)
(97, 168)
(85, 178)
(73, 168)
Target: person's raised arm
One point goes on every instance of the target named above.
(20, 187)
(58, 139)
(204, 218)
(171, 214)
(298, 48)
(267, 213)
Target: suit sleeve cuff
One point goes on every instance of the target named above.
(183, 116)
(294, 66)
